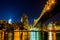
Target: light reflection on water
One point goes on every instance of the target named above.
(34, 35)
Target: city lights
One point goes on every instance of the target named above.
(17, 35)
(10, 36)
(52, 1)
(47, 7)
(10, 21)
(45, 27)
(34, 35)
(50, 36)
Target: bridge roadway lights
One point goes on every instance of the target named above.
(47, 7)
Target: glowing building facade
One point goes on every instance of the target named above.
(24, 20)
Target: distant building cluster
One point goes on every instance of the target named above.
(23, 31)
(24, 22)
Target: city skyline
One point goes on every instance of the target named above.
(15, 8)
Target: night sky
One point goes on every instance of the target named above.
(15, 8)
(55, 18)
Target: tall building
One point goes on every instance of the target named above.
(10, 21)
(24, 20)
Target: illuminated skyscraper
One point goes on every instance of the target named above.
(24, 20)
(10, 21)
